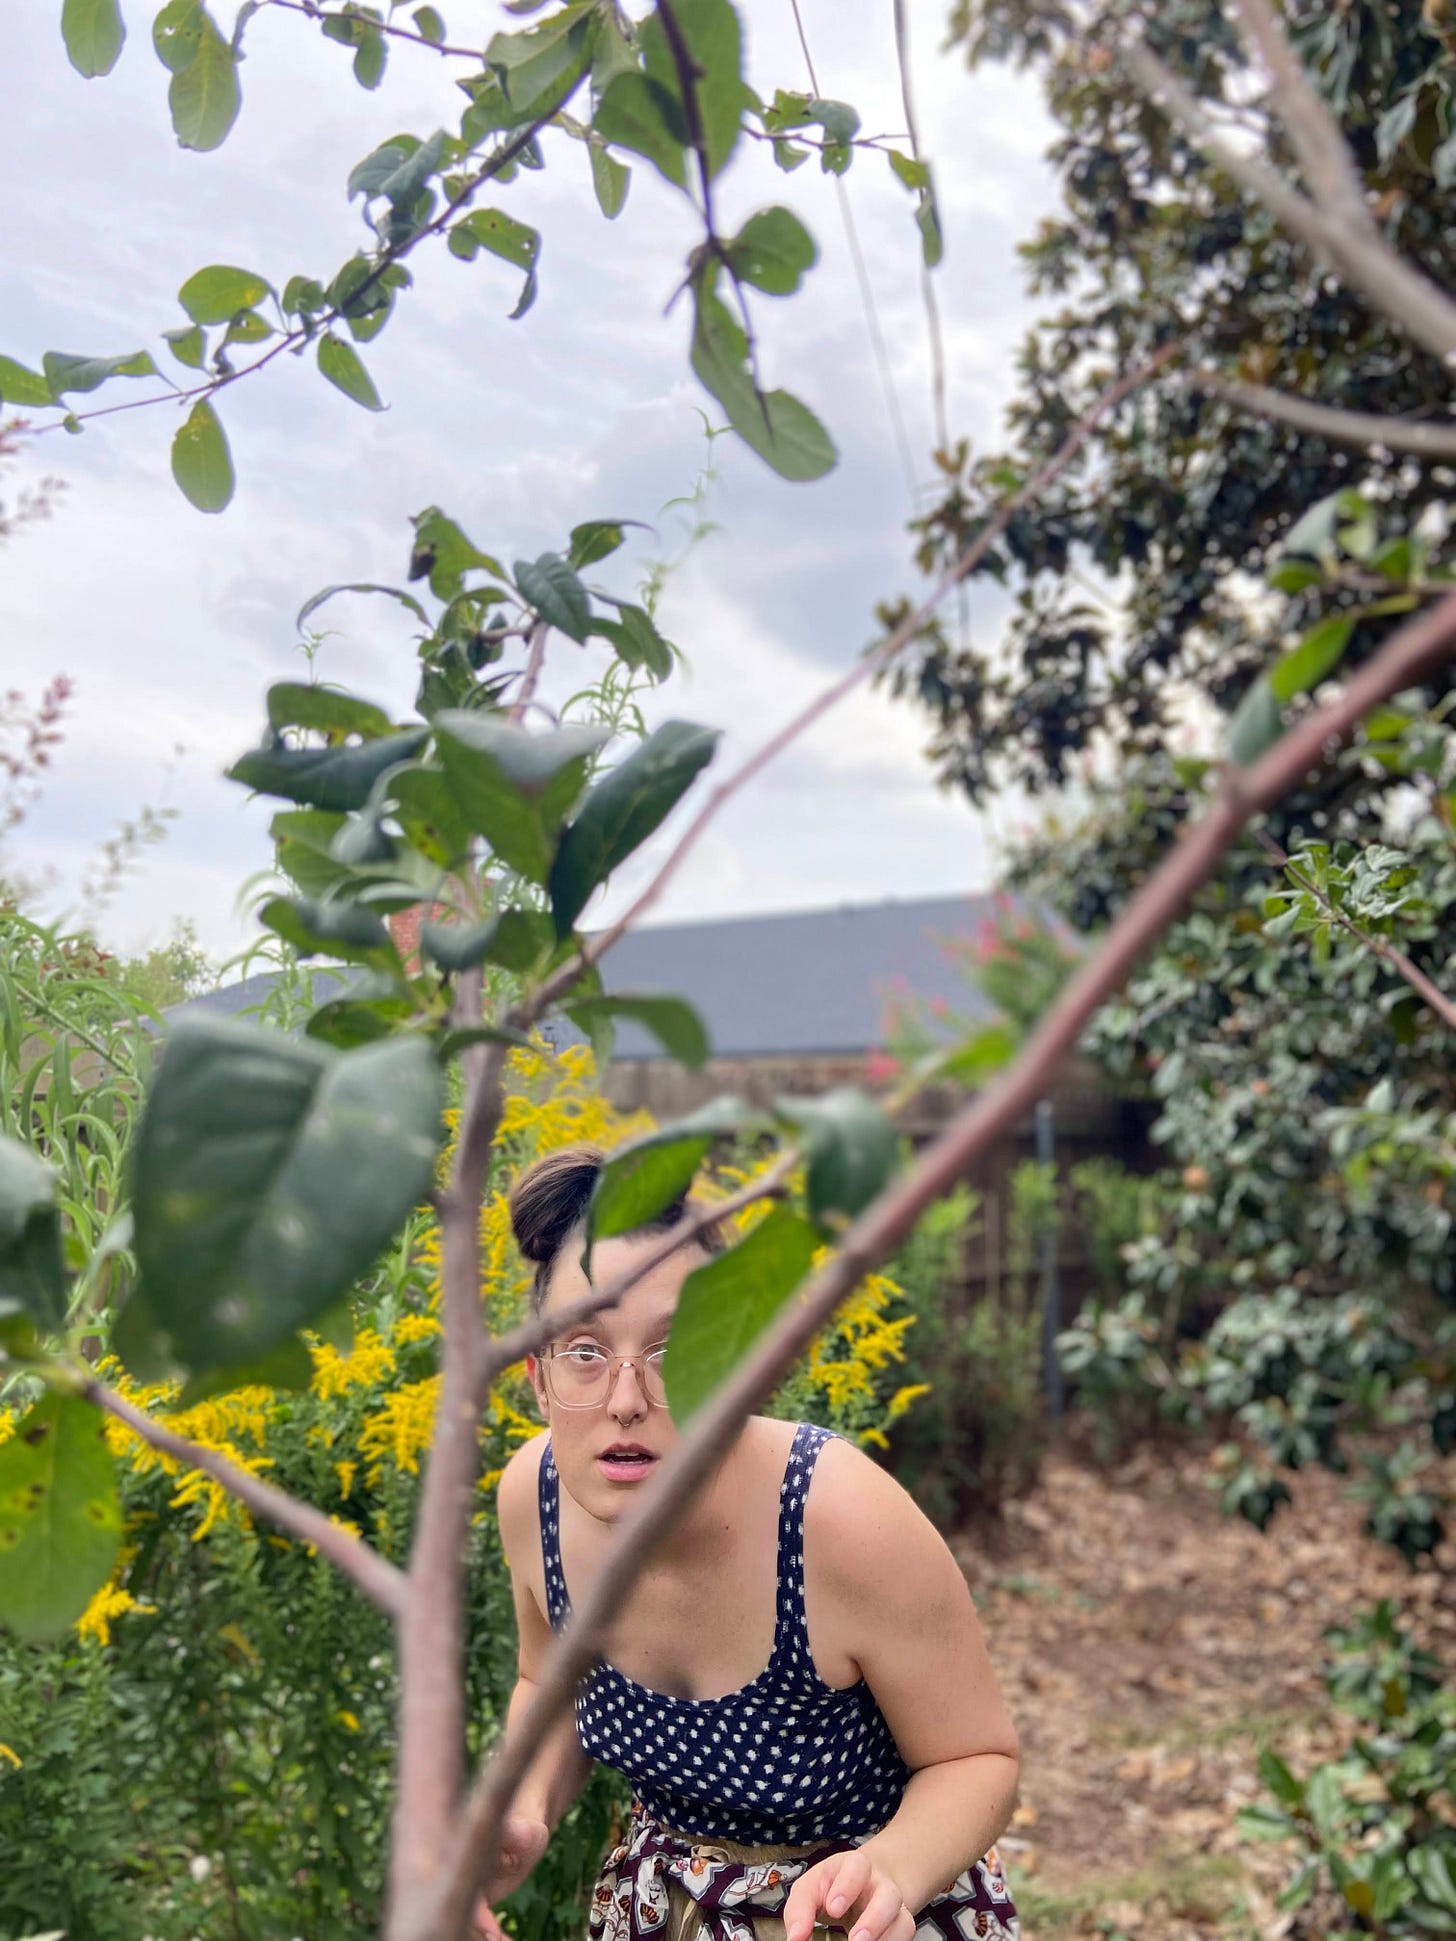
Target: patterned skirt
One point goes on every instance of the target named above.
(663, 1886)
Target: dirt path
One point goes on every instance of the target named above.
(1148, 1646)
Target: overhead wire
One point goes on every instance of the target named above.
(866, 294)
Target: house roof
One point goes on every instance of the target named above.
(805, 981)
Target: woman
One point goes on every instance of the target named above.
(797, 1687)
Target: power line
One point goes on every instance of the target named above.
(866, 292)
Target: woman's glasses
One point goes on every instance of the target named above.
(581, 1376)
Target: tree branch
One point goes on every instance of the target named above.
(375, 1575)
(1363, 428)
(1327, 162)
(1416, 649)
(1356, 249)
(1428, 992)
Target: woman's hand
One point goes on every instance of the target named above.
(522, 1843)
(848, 1890)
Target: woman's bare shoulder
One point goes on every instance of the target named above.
(858, 1519)
(517, 1503)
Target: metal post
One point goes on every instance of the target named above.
(1051, 1286)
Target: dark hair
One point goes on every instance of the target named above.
(548, 1205)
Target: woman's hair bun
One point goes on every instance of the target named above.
(550, 1198)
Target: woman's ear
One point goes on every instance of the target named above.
(533, 1370)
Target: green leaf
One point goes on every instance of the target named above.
(60, 1517)
(424, 805)
(341, 365)
(270, 1171)
(372, 1008)
(67, 372)
(851, 1146)
(549, 585)
(1306, 666)
(1278, 1778)
(726, 1304)
(288, 1366)
(345, 930)
(201, 462)
(204, 95)
(303, 296)
(188, 345)
(640, 114)
(914, 174)
(838, 119)
(454, 1042)
(610, 179)
(442, 551)
(18, 385)
(1314, 533)
(597, 539)
(621, 812)
(325, 778)
(772, 251)
(671, 1020)
(637, 640)
(32, 1279)
(514, 242)
(515, 939)
(1294, 575)
(513, 787)
(540, 65)
(640, 1181)
(784, 432)
(361, 586)
(176, 32)
(431, 26)
(310, 704)
(370, 60)
(1256, 725)
(93, 32)
(932, 243)
(216, 295)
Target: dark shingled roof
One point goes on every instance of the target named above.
(805, 981)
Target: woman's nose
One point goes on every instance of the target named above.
(629, 1403)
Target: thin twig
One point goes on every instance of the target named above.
(1362, 428)
(1359, 252)
(1431, 993)
(531, 675)
(1413, 652)
(315, 12)
(927, 284)
(379, 1580)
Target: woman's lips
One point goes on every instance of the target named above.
(626, 1465)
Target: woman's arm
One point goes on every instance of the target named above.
(897, 1601)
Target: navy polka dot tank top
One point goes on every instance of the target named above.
(785, 1760)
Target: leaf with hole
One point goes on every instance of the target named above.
(60, 1516)
(772, 251)
(444, 553)
(216, 295)
(325, 778)
(270, 1171)
(726, 1305)
(201, 462)
(32, 1279)
(851, 1148)
(93, 31)
(204, 96)
(513, 787)
(622, 810)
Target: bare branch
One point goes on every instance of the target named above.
(314, 12)
(535, 660)
(1362, 428)
(1417, 648)
(1356, 249)
(375, 1575)
(1323, 155)
(1428, 992)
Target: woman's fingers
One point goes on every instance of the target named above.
(848, 1883)
(880, 1912)
(485, 1927)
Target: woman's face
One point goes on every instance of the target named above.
(608, 1447)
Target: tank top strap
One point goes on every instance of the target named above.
(791, 1654)
(558, 1604)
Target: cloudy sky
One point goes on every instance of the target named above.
(172, 624)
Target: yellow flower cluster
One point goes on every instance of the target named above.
(109, 1602)
(369, 1361)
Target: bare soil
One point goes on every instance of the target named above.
(1148, 1646)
